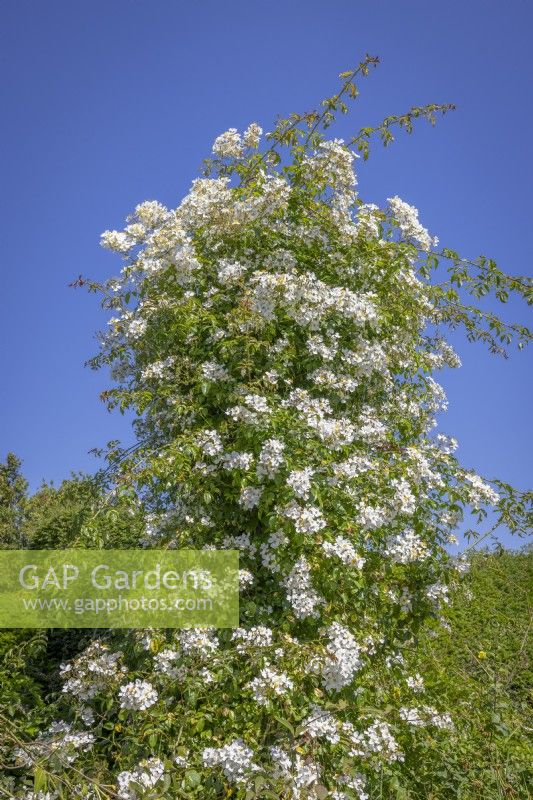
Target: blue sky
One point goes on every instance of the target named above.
(106, 104)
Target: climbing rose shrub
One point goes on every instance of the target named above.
(276, 338)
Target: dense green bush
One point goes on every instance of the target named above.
(70, 515)
(482, 668)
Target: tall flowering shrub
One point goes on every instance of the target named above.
(276, 338)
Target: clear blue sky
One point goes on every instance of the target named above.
(106, 104)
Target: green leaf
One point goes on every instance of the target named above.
(40, 779)
(192, 778)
